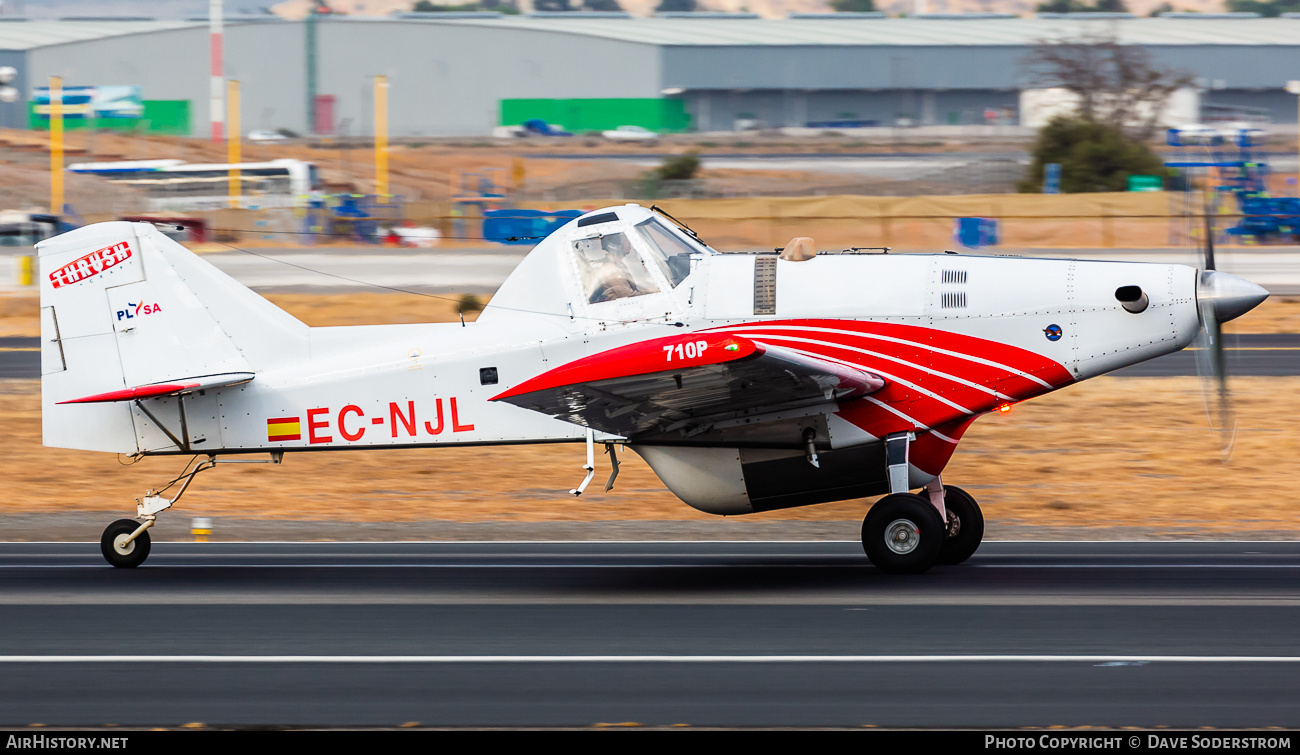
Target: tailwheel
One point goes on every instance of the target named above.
(903, 534)
(965, 526)
(120, 553)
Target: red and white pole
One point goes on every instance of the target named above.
(216, 92)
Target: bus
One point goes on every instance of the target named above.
(174, 185)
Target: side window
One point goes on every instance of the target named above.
(669, 251)
(611, 269)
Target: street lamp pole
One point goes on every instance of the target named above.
(1294, 88)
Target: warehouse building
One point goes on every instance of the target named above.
(459, 74)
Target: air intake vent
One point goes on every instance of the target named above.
(954, 276)
(953, 300)
(765, 285)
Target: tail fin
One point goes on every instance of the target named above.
(124, 306)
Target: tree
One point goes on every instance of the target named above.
(1093, 157)
(853, 6)
(552, 6)
(1078, 6)
(681, 167)
(425, 6)
(1114, 84)
(1269, 8)
(679, 6)
(602, 5)
(1060, 6)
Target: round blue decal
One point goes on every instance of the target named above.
(1053, 332)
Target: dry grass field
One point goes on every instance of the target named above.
(1108, 452)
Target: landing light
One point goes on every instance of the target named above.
(1004, 408)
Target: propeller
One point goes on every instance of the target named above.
(1220, 297)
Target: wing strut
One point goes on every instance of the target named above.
(590, 466)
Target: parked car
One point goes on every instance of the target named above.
(631, 134)
(539, 127)
(266, 136)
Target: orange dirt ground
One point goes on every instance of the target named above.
(18, 312)
(1040, 464)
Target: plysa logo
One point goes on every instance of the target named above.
(91, 265)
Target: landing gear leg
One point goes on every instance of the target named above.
(125, 543)
(903, 533)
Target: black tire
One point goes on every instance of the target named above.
(965, 526)
(133, 554)
(903, 534)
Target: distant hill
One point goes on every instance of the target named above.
(766, 8)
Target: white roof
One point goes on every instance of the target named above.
(25, 35)
(908, 31)
(715, 31)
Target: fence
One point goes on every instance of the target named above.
(1102, 220)
(1136, 220)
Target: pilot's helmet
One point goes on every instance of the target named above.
(615, 245)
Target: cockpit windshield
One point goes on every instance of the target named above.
(611, 269)
(669, 251)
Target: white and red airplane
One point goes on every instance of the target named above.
(748, 381)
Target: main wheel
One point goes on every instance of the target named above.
(965, 526)
(128, 555)
(903, 534)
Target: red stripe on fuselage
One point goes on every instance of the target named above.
(914, 354)
(928, 346)
(968, 397)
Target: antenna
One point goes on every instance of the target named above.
(680, 224)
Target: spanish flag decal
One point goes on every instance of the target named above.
(283, 428)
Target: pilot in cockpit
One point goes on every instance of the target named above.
(616, 281)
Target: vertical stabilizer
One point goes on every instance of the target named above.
(124, 306)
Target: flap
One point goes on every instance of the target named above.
(169, 388)
(683, 381)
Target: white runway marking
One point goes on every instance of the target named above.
(864, 563)
(10, 659)
(683, 565)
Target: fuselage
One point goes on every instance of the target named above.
(953, 337)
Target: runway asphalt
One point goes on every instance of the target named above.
(737, 634)
(1248, 355)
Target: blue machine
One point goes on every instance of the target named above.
(974, 233)
(1243, 173)
(360, 216)
(523, 226)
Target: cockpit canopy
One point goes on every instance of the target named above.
(613, 265)
(626, 254)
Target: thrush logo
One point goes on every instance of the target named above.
(91, 265)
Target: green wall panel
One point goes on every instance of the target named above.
(599, 114)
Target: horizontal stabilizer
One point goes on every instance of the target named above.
(169, 388)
